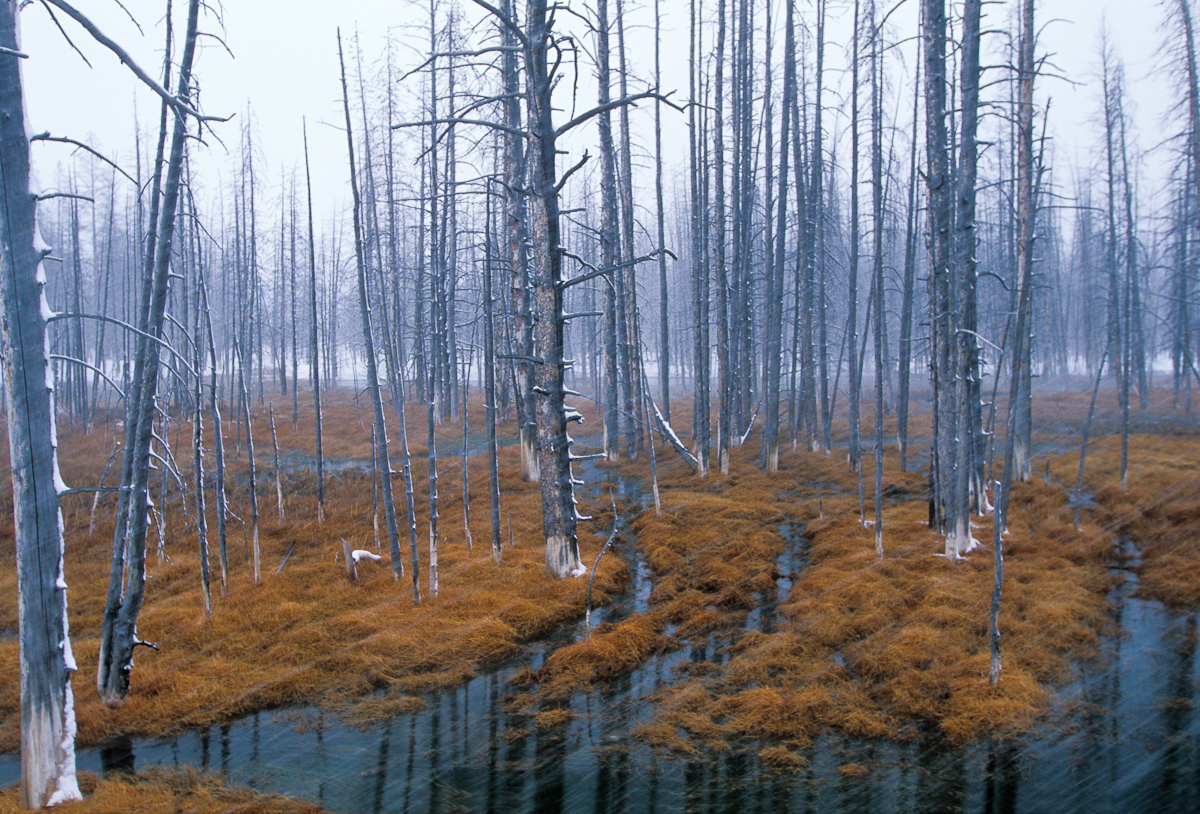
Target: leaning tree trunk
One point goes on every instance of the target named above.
(47, 703)
(119, 625)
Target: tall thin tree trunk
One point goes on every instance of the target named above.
(701, 401)
(877, 260)
(725, 383)
(46, 662)
(313, 346)
(910, 271)
(664, 348)
(1026, 217)
(245, 400)
(854, 381)
(389, 505)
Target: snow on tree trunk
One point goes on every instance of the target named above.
(554, 453)
(46, 663)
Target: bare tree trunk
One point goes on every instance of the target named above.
(214, 403)
(1026, 217)
(610, 249)
(313, 346)
(910, 272)
(518, 255)
(627, 277)
(725, 383)
(558, 496)
(774, 303)
(815, 279)
(1135, 355)
(940, 193)
(295, 325)
(119, 625)
(489, 384)
(664, 349)
(389, 505)
(701, 401)
(466, 488)
(855, 382)
(245, 399)
(372, 215)
(198, 360)
(877, 261)
(46, 662)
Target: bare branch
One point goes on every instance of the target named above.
(562, 181)
(66, 36)
(480, 122)
(95, 370)
(100, 37)
(598, 109)
(506, 21)
(64, 140)
(48, 195)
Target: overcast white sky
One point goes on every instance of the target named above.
(285, 66)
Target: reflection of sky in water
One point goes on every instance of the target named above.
(1128, 740)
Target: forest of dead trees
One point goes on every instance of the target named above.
(807, 228)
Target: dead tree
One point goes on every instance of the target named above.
(47, 705)
(314, 352)
(127, 576)
(389, 505)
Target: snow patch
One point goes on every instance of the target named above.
(60, 486)
(67, 789)
(43, 306)
(69, 657)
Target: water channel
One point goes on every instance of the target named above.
(1125, 737)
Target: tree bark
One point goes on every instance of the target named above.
(119, 624)
(46, 662)
(554, 452)
(314, 347)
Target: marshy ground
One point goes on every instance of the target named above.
(893, 648)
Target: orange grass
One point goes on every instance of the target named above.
(611, 651)
(185, 791)
(1159, 508)
(306, 634)
(873, 648)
